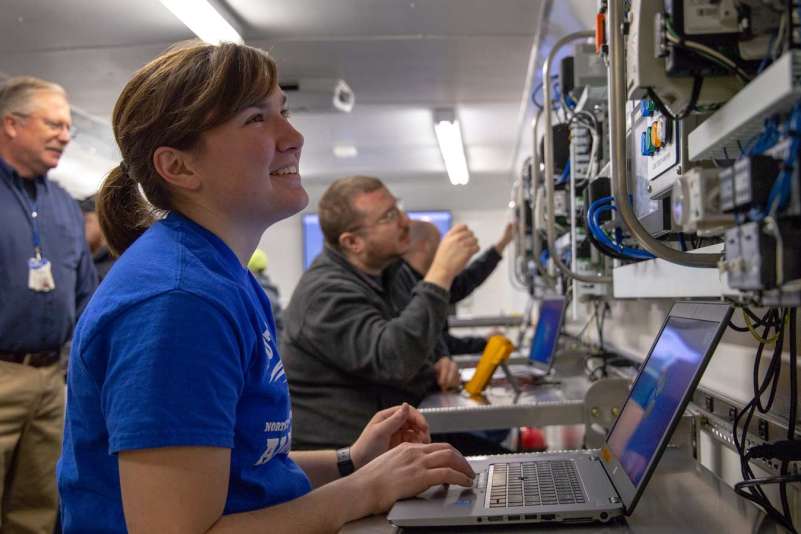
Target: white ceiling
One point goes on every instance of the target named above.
(401, 58)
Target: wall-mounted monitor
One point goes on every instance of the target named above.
(313, 237)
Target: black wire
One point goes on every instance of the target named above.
(773, 319)
(698, 82)
(729, 68)
(737, 328)
(785, 466)
(775, 370)
(599, 324)
(771, 379)
(755, 493)
(793, 374)
(783, 479)
(660, 106)
(772, 374)
(756, 322)
(751, 314)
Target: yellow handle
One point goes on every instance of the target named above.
(497, 351)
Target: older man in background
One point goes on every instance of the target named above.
(47, 279)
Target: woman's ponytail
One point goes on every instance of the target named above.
(122, 210)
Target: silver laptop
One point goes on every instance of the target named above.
(587, 486)
(543, 343)
(546, 336)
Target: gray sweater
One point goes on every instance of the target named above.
(353, 345)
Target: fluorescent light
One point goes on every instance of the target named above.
(449, 137)
(345, 151)
(204, 21)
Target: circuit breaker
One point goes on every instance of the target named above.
(758, 254)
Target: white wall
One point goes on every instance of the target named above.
(496, 295)
(283, 243)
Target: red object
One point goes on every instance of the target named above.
(532, 439)
(600, 32)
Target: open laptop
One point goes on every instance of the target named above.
(546, 335)
(586, 486)
(543, 343)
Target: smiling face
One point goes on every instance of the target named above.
(39, 133)
(248, 167)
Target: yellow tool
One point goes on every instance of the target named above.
(496, 352)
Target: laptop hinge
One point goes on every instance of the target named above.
(616, 498)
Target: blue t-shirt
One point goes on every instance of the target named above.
(176, 348)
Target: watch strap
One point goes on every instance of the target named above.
(344, 462)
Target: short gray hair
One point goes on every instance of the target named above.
(16, 93)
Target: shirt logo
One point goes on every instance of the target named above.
(275, 446)
(268, 343)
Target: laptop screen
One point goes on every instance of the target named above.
(547, 332)
(659, 391)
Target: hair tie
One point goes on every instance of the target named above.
(123, 167)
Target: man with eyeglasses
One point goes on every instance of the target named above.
(47, 279)
(353, 341)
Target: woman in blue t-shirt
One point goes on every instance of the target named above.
(178, 412)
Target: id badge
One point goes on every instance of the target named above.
(40, 277)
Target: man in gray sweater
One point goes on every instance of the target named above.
(353, 341)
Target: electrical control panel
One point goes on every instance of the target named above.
(756, 260)
(659, 146)
(739, 30)
(647, 70)
(696, 204)
(655, 154)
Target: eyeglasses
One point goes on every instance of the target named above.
(390, 216)
(53, 126)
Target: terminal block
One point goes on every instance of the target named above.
(747, 183)
(695, 203)
(753, 252)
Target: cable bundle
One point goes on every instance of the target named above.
(601, 239)
(785, 451)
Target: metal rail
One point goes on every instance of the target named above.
(536, 242)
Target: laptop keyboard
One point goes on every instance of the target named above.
(534, 483)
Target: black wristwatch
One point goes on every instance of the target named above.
(344, 462)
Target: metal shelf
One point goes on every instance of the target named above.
(663, 279)
(724, 134)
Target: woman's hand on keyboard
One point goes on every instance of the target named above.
(407, 470)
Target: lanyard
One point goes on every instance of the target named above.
(30, 207)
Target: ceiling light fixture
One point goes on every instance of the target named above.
(449, 137)
(345, 151)
(204, 20)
